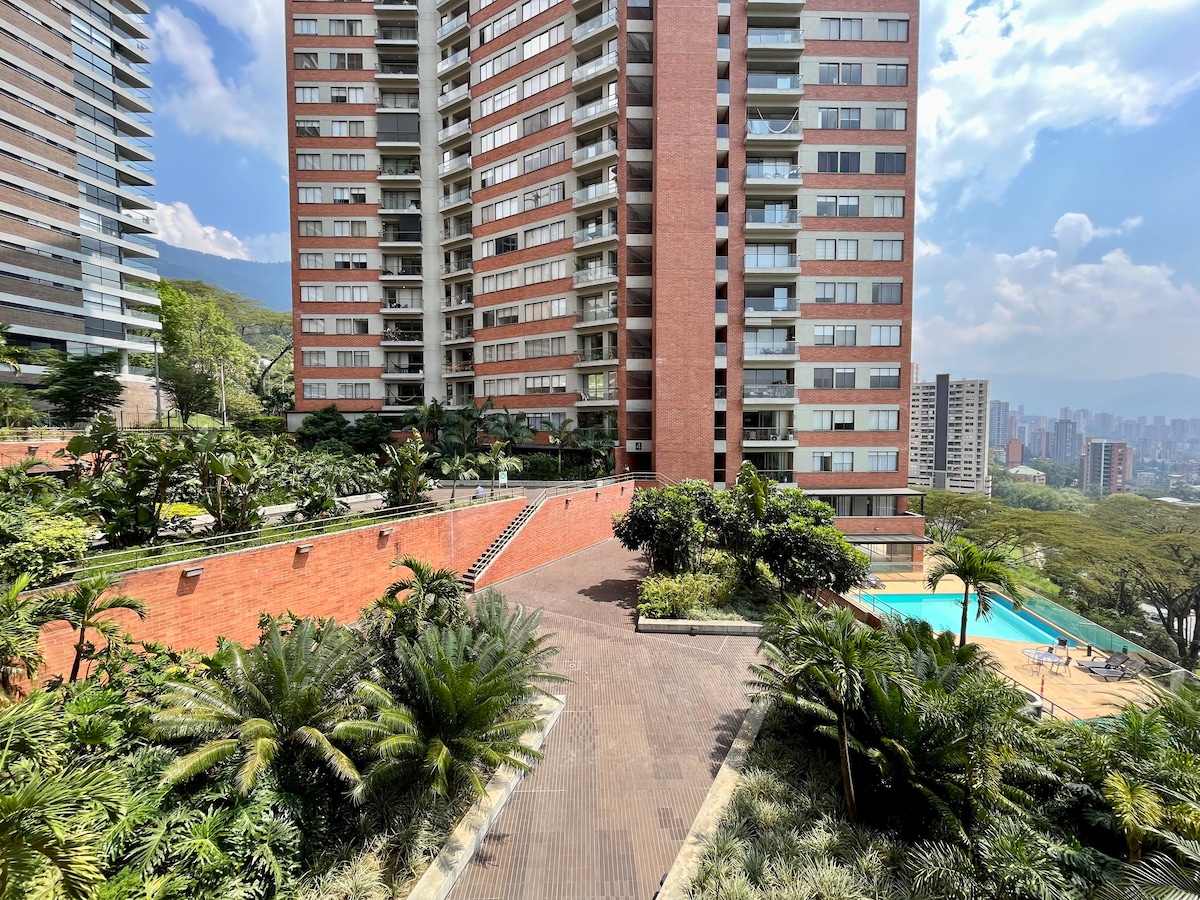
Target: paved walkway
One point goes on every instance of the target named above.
(647, 722)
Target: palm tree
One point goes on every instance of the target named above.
(266, 706)
(455, 722)
(21, 621)
(85, 606)
(403, 477)
(15, 406)
(825, 664)
(986, 572)
(497, 461)
(562, 435)
(434, 595)
(458, 468)
(508, 427)
(1137, 808)
(429, 419)
(9, 355)
(597, 444)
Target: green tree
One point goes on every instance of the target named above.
(10, 356)
(431, 597)
(234, 472)
(16, 408)
(192, 389)
(324, 424)
(826, 665)
(562, 435)
(269, 708)
(368, 434)
(458, 468)
(508, 428)
(86, 607)
(21, 621)
(668, 525)
(80, 387)
(404, 480)
(986, 572)
(497, 461)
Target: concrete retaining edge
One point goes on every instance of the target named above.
(699, 626)
(445, 870)
(677, 884)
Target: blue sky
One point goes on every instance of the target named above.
(1056, 173)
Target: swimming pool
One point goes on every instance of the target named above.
(944, 613)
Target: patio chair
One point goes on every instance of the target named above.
(1130, 670)
(1113, 662)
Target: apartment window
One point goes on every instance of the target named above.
(822, 336)
(349, 195)
(839, 73)
(885, 378)
(304, 26)
(353, 359)
(822, 378)
(847, 162)
(501, 387)
(350, 326)
(501, 136)
(893, 29)
(544, 41)
(544, 421)
(553, 193)
(308, 128)
(497, 174)
(350, 61)
(354, 228)
(304, 60)
(499, 210)
(887, 292)
(543, 80)
(889, 163)
(346, 95)
(499, 100)
(354, 390)
(314, 390)
(843, 378)
(313, 293)
(885, 335)
(531, 8)
(357, 293)
(883, 420)
(345, 27)
(847, 206)
(837, 292)
(547, 156)
(499, 63)
(501, 352)
(310, 228)
(891, 74)
(549, 271)
(500, 281)
(845, 336)
(891, 251)
(545, 309)
(889, 207)
(501, 315)
(348, 162)
(546, 384)
(890, 119)
(543, 119)
(312, 326)
(883, 461)
(543, 347)
(308, 161)
(837, 249)
(312, 260)
(497, 27)
(308, 95)
(349, 260)
(841, 29)
(312, 358)
(833, 461)
(545, 234)
(341, 128)
(506, 243)
(827, 205)
(833, 420)
(827, 117)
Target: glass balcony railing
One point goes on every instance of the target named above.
(583, 154)
(455, 165)
(590, 68)
(449, 62)
(396, 235)
(397, 68)
(781, 128)
(767, 434)
(447, 29)
(596, 232)
(593, 26)
(397, 335)
(596, 314)
(761, 81)
(593, 274)
(462, 229)
(595, 109)
(768, 391)
(395, 34)
(397, 102)
(459, 334)
(780, 38)
(400, 169)
(776, 261)
(452, 131)
(773, 170)
(458, 265)
(391, 368)
(773, 216)
(777, 348)
(597, 354)
(771, 305)
(455, 198)
(605, 395)
(400, 268)
(596, 191)
(403, 399)
(412, 305)
(463, 90)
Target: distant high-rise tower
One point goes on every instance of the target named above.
(1107, 466)
(686, 226)
(1065, 444)
(74, 180)
(998, 423)
(949, 437)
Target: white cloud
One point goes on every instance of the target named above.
(179, 227)
(246, 107)
(1040, 313)
(1006, 71)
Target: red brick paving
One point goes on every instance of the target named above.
(647, 722)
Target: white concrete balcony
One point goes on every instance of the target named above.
(594, 68)
(595, 111)
(451, 132)
(451, 28)
(453, 61)
(594, 153)
(595, 193)
(606, 231)
(595, 28)
(457, 164)
(594, 275)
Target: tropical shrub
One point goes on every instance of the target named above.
(39, 543)
(677, 597)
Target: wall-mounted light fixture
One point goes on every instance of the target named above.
(597, 495)
(568, 503)
(193, 572)
(304, 548)
(384, 532)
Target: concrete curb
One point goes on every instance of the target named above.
(443, 873)
(699, 626)
(677, 884)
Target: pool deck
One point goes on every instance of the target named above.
(1075, 693)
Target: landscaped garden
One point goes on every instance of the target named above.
(324, 762)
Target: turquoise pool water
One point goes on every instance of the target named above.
(944, 612)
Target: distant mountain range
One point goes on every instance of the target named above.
(1158, 394)
(270, 283)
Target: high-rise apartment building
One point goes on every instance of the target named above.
(74, 180)
(1065, 443)
(949, 447)
(687, 224)
(1106, 467)
(998, 423)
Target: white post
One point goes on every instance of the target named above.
(224, 422)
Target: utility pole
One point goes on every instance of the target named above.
(157, 388)
(224, 422)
